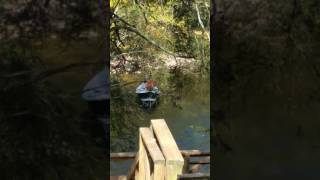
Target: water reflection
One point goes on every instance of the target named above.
(187, 112)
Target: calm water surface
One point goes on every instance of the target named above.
(188, 122)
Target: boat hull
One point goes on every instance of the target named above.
(148, 100)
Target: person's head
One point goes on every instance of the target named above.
(150, 85)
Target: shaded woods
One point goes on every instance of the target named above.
(40, 131)
(265, 76)
(266, 89)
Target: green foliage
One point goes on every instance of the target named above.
(125, 118)
(265, 83)
(40, 132)
(172, 25)
(257, 37)
(40, 138)
(153, 31)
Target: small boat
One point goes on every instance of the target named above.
(148, 94)
(96, 93)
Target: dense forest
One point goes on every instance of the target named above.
(265, 80)
(266, 89)
(167, 41)
(153, 31)
(41, 135)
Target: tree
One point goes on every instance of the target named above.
(40, 136)
(264, 75)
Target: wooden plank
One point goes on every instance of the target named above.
(170, 150)
(151, 145)
(136, 174)
(155, 153)
(194, 176)
(146, 165)
(118, 177)
(195, 153)
(205, 161)
(194, 168)
(133, 168)
(144, 168)
(159, 171)
(186, 164)
(132, 155)
(122, 155)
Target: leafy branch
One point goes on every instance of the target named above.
(133, 29)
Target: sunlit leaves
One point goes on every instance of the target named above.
(161, 24)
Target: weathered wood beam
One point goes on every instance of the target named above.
(149, 147)
(206, 161)
(194, 176)
(194, 168)
(118, 178)
(186, 164)
(169, 147)
(132, 155)
(194, 153)
(123, 155)
(132, 171)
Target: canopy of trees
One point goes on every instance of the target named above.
(160, 39)
(40, 134)
(266, 88)
(151, 31)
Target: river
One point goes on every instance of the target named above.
(186, 109)
(188, 118)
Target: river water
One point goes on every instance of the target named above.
(185, 109)
(188, 118)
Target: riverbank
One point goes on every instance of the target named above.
(137, 64)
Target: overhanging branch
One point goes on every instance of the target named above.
(131, 28)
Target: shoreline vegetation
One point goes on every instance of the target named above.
(171, 33)
(164, 61)
(40, 116)
(165, 41)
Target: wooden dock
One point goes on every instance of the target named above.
(159, 157)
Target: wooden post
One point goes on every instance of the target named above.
(132, 155)
(133, 170)
(136, 176)
(186, 164)
(170, 150)
(144, 167)
(148, 145)
(159, 157)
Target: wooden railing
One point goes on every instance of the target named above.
(159, 158)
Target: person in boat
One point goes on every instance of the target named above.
(151, 85)
(148, 93)
(147, 87)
